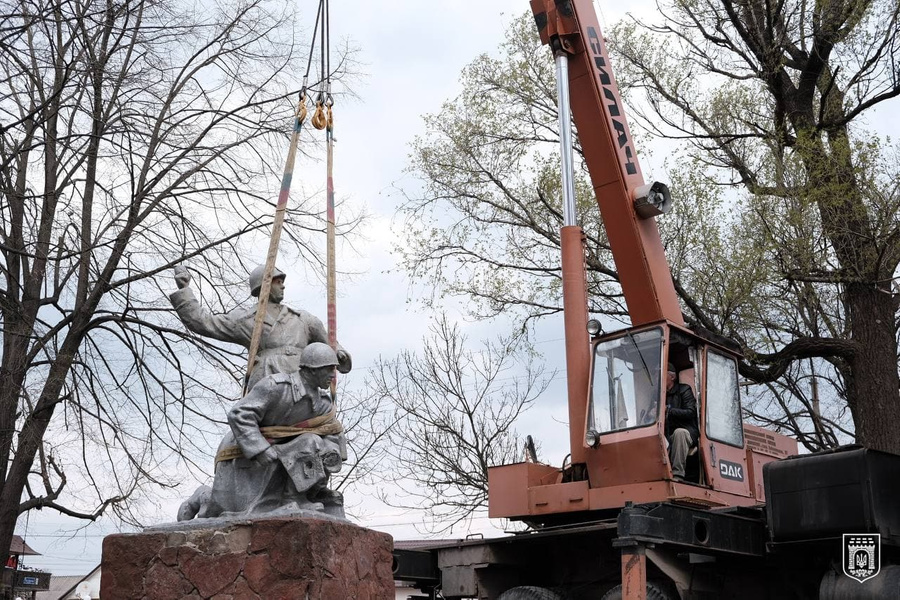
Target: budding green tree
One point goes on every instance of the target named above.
(785, 236)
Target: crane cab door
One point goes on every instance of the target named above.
(720, 460)
(721, 445)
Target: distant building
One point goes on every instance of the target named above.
(59, 585)
(73, 587)
(24, 582)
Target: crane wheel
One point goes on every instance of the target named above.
(529, 592)
(654, 592)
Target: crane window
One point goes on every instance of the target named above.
(626, 382)
(723, 400)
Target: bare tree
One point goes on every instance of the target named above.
(135, 135)
(454, 411)
(485, 224)
(367, 422)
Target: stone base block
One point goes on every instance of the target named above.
(266, 559)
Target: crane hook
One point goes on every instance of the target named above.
(319, 120)
(301, 109)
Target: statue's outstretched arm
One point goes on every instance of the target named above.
(234, 326)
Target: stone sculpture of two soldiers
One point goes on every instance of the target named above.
(284, 440)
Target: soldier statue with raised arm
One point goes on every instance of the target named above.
(286, 331)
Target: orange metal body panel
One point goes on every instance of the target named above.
(769, 443)
(764, 446)
(559, 498)
(626, 457)
(512, 497)
(634, 573)
(509, 485)
(661, 491)
(755, 464)
(713, 454)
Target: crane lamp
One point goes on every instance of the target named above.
(594, 328)
(592, 438)
(652, 200)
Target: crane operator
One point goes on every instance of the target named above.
(682, 431)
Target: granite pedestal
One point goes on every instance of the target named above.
(286, 558)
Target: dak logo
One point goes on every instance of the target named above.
(862, 555)
(730, 470)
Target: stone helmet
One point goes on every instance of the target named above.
(256, 277)
(318, 354)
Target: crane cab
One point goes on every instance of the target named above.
(627, 409)
(625, 441)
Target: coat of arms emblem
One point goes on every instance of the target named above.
(862, 555)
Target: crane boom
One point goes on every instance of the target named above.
(571, 26)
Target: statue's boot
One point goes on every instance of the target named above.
(332, 500)
(196, 504)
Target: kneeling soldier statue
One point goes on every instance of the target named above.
(284, 444)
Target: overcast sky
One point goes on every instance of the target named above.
(412, 53)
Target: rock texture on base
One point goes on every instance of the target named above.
(265, 559)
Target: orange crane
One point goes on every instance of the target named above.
(616, 382)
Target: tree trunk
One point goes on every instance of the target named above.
(32, 434)
(874, 389)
